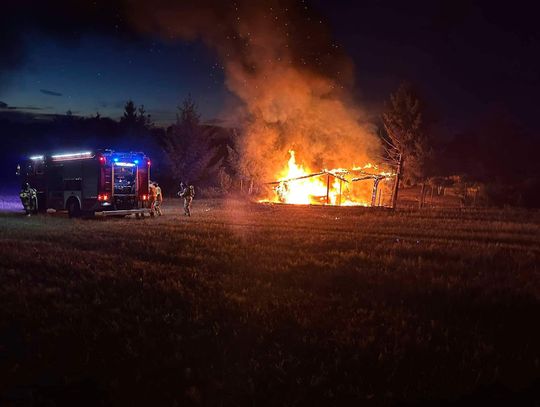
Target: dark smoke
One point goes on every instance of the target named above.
(290, 29)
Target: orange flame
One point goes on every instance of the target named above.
(299, 191)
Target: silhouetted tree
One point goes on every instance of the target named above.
(406, 139)
(136, 123)
(187, 145)
(188, 114)
(143, 119)
(130, 113)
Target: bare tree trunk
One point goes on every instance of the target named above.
(395, 190)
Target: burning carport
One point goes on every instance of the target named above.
(328, 188)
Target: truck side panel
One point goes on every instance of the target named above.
(90, 184)
(55, 186)
(72, 174)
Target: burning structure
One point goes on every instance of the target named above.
(328, 187)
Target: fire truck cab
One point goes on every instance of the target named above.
(90, 183)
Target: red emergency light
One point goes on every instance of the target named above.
(103, 197)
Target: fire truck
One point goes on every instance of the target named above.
(89, 183)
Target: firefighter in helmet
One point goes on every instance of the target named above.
(158, 199)
(152, 193)
(28, 197)
(187, 192)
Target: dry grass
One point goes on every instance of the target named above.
(261, 304)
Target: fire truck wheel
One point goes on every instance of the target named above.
(74, 209)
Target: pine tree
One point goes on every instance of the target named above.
(406, 138)
(130, 114)
(188, 146)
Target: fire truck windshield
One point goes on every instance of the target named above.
(125, 179)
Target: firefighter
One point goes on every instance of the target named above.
(152, 193)
(187, 192)
(28, 197)
(158, 199)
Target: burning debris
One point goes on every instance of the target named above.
(297, 185)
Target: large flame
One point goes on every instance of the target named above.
(303, 190)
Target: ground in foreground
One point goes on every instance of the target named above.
(271, 304)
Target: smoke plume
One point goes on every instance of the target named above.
(277, 55)
(280, 61)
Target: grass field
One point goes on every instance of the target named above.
(271, 305)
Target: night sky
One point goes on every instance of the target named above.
(99, 73)
(466, 58)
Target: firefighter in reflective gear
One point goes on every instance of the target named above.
(187, 193)
(28, 197)
(158, 200)
(152, 193)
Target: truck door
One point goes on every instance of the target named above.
(90, 183)
(55, 186)
(73, 181)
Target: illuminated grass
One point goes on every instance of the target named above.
(271, 304)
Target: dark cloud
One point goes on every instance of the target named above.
(50, 92)
(15, 115)
(23, 108)
(5, 107)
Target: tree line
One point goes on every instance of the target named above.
(495, 156)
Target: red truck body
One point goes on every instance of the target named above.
(103, 182)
